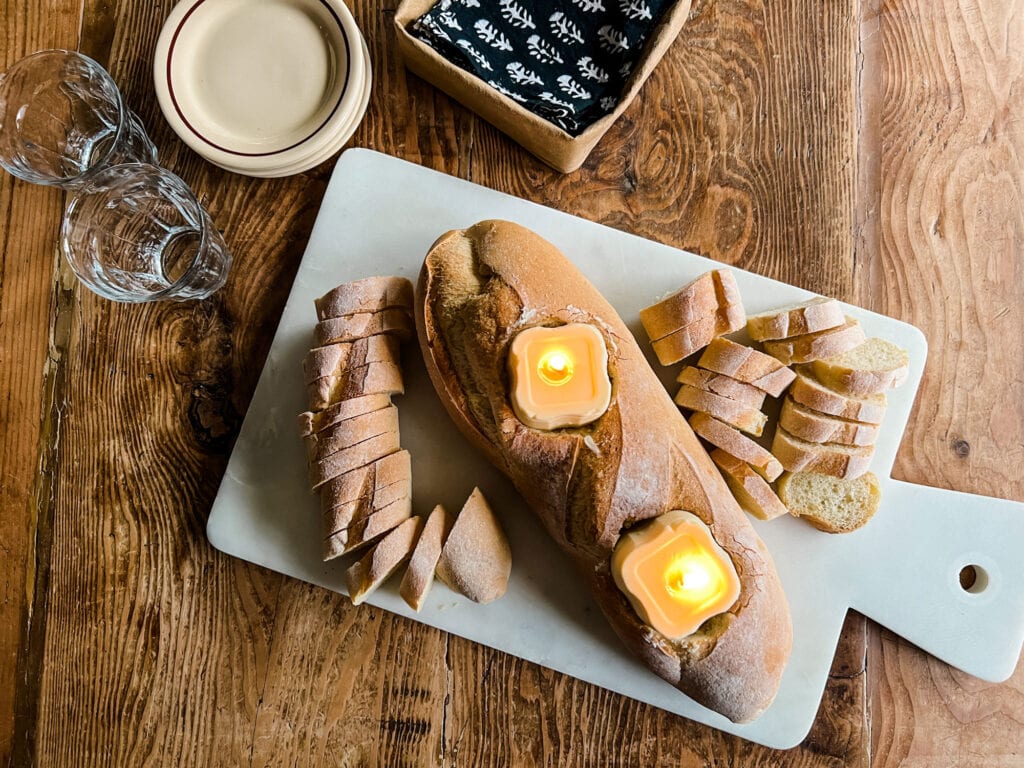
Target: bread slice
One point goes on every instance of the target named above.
(367, 529)
(334, 359)
(871, 368)
(377, 565)
(353, 457)
(728, 439)
(737, 414)
(363, 481)
(370, 294)
(372, 379)
(698, 334)
(814, 346)
(312, 422)
(342, 516)
(747, 365)
(750, 489)
(796, 455)
(726, 386)
(817, 314)
(476, 559)
(810, 392)
(351, 431)
(815, 427)
(419, 576)
(335, 330)
(829, 503)
(696, 300)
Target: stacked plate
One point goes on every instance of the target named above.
(265, 89)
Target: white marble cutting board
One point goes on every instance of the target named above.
(379, 216)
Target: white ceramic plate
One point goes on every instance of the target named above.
(379, 216)
(259, 86)
(343, 134)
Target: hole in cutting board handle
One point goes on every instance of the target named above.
(973, 579)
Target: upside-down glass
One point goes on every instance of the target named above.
(136, 233)
(62, 119)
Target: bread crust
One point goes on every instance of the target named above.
(481, 286)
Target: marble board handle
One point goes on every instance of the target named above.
(912, 586)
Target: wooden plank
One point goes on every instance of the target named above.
(741, 147)
(30, 217)
(949, 234)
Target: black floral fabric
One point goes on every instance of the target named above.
(564, 60)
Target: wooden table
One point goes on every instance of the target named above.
(865, 149)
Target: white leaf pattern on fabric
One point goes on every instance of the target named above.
(492, 35)
(542, 50)
(511, 94)
(448, 19)
(564, 28)
(550, 98)
(516, 15)
(474, 54)
(612, 40)
(589, 6)
(570, 87)
(591, 71)
(520, 74)
(636, 9)
(626, 69)
(608, 103)
(470, 3)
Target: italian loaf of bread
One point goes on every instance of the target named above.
(478, 289)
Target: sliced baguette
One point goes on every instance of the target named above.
(726, 386)
(871, 368)
(796, 455)
(334, 359)
(829, 503)
(737, 414)
(728, 439)
(750, 489)
(342, 516)
(815, 427)
(312, 422)
(377, 565)
(696, 300)
(371, 294)
(419, 576)
(747, 365)
(372, 379)
(363, 481)
(476, 559)
(698, 334)
(810, 392)
(817, 314)
(814, 346)
(353, 457)
(367, 529)
(351, 431)
(336, 330)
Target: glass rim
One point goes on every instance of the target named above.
(123, 117)
(205, 222)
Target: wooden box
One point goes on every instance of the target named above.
(544, 139)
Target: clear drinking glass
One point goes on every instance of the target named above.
(136, 233)
(62, 119)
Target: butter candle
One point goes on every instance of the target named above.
(559, 376)
(674, 573)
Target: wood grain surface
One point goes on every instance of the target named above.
(866, 149)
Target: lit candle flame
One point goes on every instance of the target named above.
(687, 578)
(555, 368)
